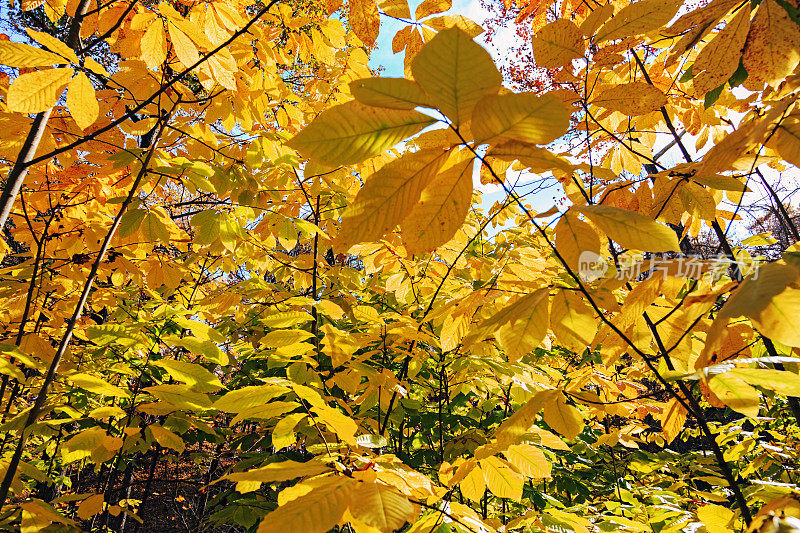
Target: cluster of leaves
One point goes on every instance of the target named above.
(230, 248)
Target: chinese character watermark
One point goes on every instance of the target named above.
(592, 266)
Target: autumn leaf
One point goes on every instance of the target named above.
(455, 72)
(638, 18)
(351, 132)
(719, 58)
(631, 99)
(81, 101)
(394, 93)
(37, 91)
(365, 19)
(631, 229)
(557, 44)
(772, 49)
(523, 117)
(441, 209)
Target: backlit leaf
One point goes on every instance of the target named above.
(631, 229)
(37, 91)
(351, 132)
(456, 73)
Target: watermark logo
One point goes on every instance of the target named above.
(591, 266)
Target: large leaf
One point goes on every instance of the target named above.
(528, 325)
(772, 49)
(23, 55)
(631, 229)
(501, 479)
(529, 460)
(719, 59)
(281, 471)
(735, 393)
(315, 512)
(441, 209)
(524, 117)
(34, 92)
(455, 72)
(563, 417)
(768, 298)
(389, 195)
(351, 132)
(572, 321)
(395, 93)
(557, 44)
(638, 18)
(631, 99)
(380, 506)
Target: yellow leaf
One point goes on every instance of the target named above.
(365, 19)
(719, 59)
(167, 438)
(395, 8)
(82, 102)
(154, 45)
(389, 195)
(473, 485)
(521, 421)
(351, 132)
(631, 229)
(769, 300)
(456, 73)
(786, 139)
(90, 506)
(780, 381)
(572, 321)
(527, 327)
(183, 46)
(97, 385)
(716, 518)
(394, 93)
(246, 397)
(34, 92)
(280, 471)
(380, 507)
(314, 512)
(531, 156)
(772, 50)
(441, 209)
(54, 45)
(522, 117)
(283, 433)
(736, 394)
(638, 18)
(557, 44)
(573, 238)
(673, 417)
(195, 376)
(429, 7)
(501, 480)
(344, 426)
(529, 460)
(23, 55)
(562, 417)
(180, 396)
(631, 99)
